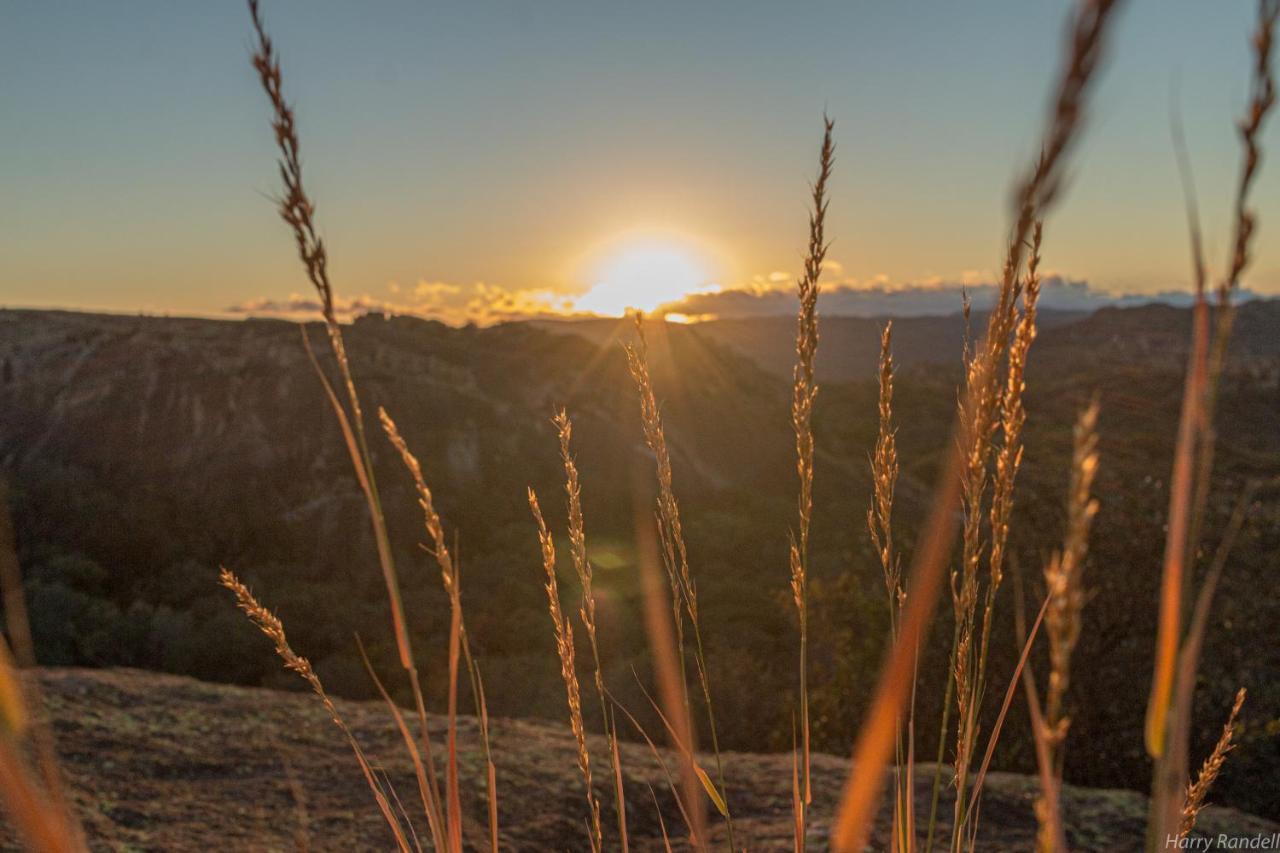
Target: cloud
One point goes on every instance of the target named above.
(431, 290)
(479, 303)
(764, 295)
(298, 306)
(879, 298)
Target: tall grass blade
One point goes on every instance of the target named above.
(662, 643)
(297, 210)
(568, 669)
(587, 607)
(804, 393)
(42, 827)
(1168, 722)
(427, 789)
(994, 738)
(619, 793)
(679, 791)
(674, 554)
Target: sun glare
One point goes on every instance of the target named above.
(644, 276)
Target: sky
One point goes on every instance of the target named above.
(486, 159)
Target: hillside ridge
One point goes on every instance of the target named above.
(164, 762)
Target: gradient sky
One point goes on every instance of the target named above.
(514, 143)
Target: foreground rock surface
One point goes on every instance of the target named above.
(159, 762)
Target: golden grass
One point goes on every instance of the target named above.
(1035, 193)
(1197, 791)
(672, 688)
(36, 809)
(270, 625)
(568, 668)
(459, 644)
(884, 481)
(39, 822)
(297, 210)
(1063, 573)
(587, 608)
(1063, 610)
(675, 561)
(979, 480)
(444, 815)
(803, 394)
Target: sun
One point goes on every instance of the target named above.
(644, 276)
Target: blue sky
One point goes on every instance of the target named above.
(518, 144)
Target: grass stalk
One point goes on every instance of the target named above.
(269, 624)
(1063, 576)
(568, 669)
(297, 209)
(884, 479)
(674, 554)
(672, 687)
(804, 393)
(587, 607)
(989, 404)
(1199, 790)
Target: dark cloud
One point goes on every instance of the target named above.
(913, 300)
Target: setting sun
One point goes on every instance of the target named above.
(644, 276)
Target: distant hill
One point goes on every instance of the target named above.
(850, 346)
(145, 452)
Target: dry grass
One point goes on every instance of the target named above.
(803, 394)
(35, 809)
(672, 688)
(884, 481)
(587, 609)
(1063, 609)
(568, 667)
(296, 208)
(1063, 574)
(989, 405)
(979, 482)
(270, 625)
(458, 642)
(965, 472)
(1199, 790)
(684, 593)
